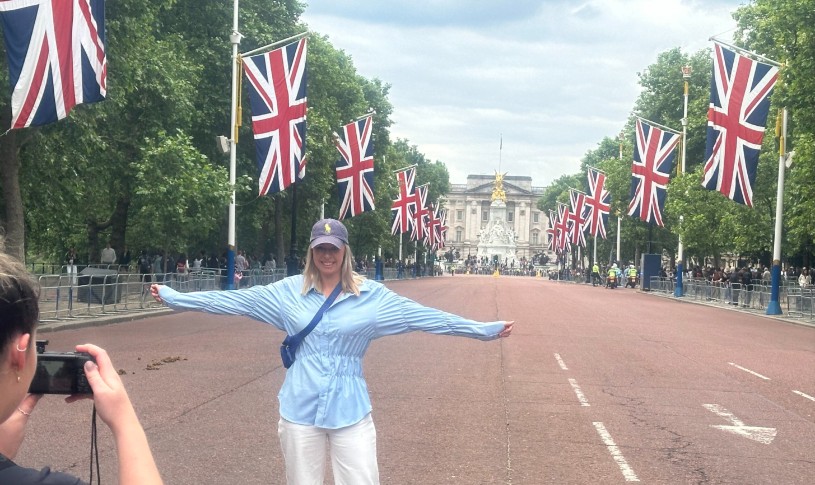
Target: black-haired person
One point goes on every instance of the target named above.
(324, 400)
(19, 312)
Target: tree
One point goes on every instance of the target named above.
(784, 30)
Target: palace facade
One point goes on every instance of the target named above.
(468, 211)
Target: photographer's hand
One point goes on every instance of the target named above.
(12, 430)
(136, 464)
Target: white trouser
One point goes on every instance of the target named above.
(353, 453)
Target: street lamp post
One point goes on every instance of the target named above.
(679, 290)
(619, 215)
(235, 40)
(774, 305)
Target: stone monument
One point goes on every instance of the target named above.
(497, 238)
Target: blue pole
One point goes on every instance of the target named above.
(378, 276)
(679, 290)
(774, 306)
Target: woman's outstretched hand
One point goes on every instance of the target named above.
(507, 329)
(154, 292)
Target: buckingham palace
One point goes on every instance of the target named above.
(468, 211)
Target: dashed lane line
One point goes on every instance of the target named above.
(804, 395)
(579, 393)
(748, 370)
(560, 362)
(618, 457)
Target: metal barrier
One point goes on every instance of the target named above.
(800, 302)
(70, 295)
(63, 297)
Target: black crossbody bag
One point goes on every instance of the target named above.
(288, 349)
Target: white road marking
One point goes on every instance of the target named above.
(748, 370)
(628, 473)
(804, 395)
(755, 433)
(560, 362)
(580, 396)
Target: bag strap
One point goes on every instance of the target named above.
(296, 339)
(6, 463)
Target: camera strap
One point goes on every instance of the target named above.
(94, 449)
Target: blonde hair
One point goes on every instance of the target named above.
(351, 280)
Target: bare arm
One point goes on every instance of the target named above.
(12, 430)
(136, 464)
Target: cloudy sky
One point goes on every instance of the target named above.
(549, 77)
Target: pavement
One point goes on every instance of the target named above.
(594, 386)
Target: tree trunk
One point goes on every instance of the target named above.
(263, 242)
(119, 225)
(93, 242)
(278, 223)
(14, 222)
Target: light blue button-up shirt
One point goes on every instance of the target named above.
(325, 387)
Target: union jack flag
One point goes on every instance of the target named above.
(563, 233)
(277, 95)
(56, 56)
(576, 217)
(551, 232)
(651, 171)
(355, 170)
(433, 233)
(598, 203)
(405, 204)
(739, 103)
(421, 213)
(442, 228)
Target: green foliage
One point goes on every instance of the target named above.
(142, 168)
(784, 30)
(178, 194)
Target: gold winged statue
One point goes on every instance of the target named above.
(498, 190)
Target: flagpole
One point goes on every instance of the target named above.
(234, 39)
(500, 149)
(619, 219)
(275, 44)
(746, 52)
(653, 123)
(773, 306)
(680, 288)
(594, 253)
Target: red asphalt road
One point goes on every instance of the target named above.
(594, 386)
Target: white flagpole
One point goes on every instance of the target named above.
(680, 288)
(773, 306)
(275, 44)
(500, 149)
(594, 253)
(619, 219)
(234, 39)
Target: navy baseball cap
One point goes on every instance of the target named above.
(329, 231)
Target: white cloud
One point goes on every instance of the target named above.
(553, 77)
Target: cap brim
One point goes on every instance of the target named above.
(333, 240)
